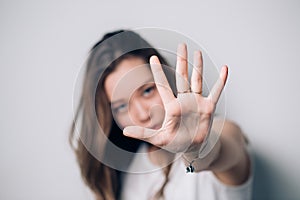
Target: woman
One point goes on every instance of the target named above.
(121, 91)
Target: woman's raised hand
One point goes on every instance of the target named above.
(189, 116)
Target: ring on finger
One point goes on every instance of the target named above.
(197, 92)
(182, 92)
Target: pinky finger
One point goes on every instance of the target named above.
(216, 91)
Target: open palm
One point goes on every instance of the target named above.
(188, 117)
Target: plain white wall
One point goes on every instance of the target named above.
(43, 44)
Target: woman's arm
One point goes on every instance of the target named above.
(232, 166)
(229, 159)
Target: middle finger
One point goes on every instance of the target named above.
(182, 83)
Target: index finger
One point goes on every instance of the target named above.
(161, 81)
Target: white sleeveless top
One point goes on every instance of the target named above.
(181, 185)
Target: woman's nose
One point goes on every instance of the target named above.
(140, 112)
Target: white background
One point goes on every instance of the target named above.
(43, 44)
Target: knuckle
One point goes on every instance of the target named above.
(181, 59)
(196, 79)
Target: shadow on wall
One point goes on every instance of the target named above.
(269, 183)
(262, 179)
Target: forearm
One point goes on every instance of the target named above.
(228, 158)
(232, 165)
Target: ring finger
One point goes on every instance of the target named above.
(196, 79)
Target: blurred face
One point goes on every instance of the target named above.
(133, 95)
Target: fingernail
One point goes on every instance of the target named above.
(154, 59)
(127, 131)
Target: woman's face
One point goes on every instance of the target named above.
(133, 95)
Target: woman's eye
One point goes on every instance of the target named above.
(148, 91)
(120, 108)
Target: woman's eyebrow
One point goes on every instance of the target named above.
(147, 81)
(145, 84)
(150, 80)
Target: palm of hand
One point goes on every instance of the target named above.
(188, 117)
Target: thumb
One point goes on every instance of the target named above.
(139, 132)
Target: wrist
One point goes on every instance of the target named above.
(204, 158)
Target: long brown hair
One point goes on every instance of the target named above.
(94, 107)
